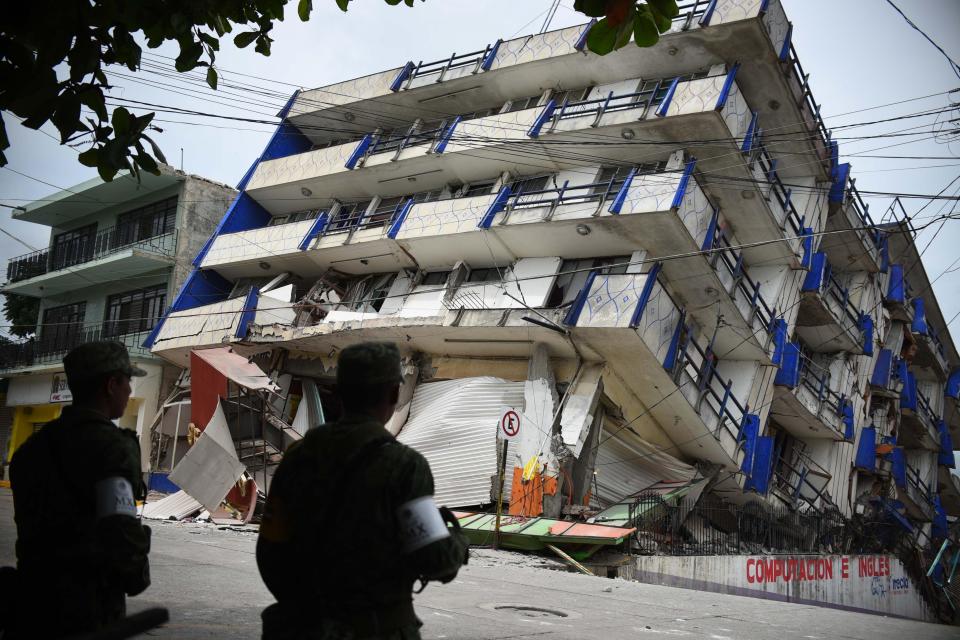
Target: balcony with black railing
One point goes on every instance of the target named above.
(800, 482)
(828, 320)
(56, 342)
(918, 419)
(853, 240)
(930, 360)
(917, 496)
(808, 402)
(89, 259)
(706, 415)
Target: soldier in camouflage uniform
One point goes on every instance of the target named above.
(80, 545)
(350, 524)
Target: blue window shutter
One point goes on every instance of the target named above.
(866, 458)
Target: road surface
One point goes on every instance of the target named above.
(208, 579)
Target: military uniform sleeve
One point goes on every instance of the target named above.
(122, 541)
(442, 558)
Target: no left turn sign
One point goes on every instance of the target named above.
(509, 423)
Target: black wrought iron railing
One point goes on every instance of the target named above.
(711, 527)
(56, 342)
(87, 249)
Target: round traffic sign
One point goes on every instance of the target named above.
(510, 423)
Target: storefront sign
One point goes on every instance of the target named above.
(60, 392)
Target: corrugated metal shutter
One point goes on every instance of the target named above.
(626, 464)
(453, 423)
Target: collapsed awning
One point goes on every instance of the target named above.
(237, 368)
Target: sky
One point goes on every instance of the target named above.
(860, 54)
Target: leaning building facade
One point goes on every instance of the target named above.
(657, 256)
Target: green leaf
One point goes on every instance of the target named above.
(92, 97)
(591, 8)
(190, 52)
(243, 40)
(148, 164)
(263, 45)
(666, 8)
(645, 32)
(90, 157)
(66, 118)
(121, 121)
(624, 31)
(212, 78)
(106, 170)
(304, 7)
(602, 38)
(156, 150)
(343, 4)
(663, 23)
(209, 40)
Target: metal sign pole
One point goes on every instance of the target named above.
(501, 480)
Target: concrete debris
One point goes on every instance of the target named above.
(176, 506)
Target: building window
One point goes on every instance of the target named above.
(527, 185)
(134, 311)
(523, 103)
(435, 278)
(427, 196)
(73, 247)
(153, 220)
(296, 216)
(489, 274)
(573, 275)
(62, 327)
(570, 96)
(383, 213)
(369, 294)
(479, 189)
(348, 215)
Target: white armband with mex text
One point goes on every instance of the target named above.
(115, 497)
(420, 524)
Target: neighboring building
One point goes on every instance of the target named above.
(655, 255)
(118, 251)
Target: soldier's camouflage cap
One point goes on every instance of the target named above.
(96, 358)
(369, 363)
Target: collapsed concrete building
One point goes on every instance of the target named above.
(656, 257)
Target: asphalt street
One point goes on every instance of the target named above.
(208, 579)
